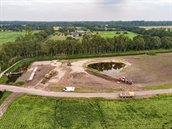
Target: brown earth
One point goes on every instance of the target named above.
(149, 70)
(143, 70)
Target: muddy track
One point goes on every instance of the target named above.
(7, 102)
(32, 91)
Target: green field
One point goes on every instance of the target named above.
(9, 36)
(111, 34)
(32, 112)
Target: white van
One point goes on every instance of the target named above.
(69, 89)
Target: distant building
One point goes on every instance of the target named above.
(77, 33)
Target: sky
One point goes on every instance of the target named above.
(85, 10)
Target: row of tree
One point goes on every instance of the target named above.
(35, 45)
(92, 25)
(94, 44)
(24, 46)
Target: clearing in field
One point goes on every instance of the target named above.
(111, 34)
(31, 112)
(143, 70)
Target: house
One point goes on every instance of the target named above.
(77, 33)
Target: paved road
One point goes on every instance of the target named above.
(32, 91)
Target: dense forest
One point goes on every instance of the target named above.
(19, 25)
(36, 45)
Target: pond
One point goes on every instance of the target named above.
(109, 68)
(14, 75)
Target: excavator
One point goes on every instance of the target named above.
(125, 80)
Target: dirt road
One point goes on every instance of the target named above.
(7, 102)
(32, 91)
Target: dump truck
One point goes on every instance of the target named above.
(127, 95)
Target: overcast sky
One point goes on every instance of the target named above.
(85, 10)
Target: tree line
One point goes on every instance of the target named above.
(92, 25)
(29, 45)
(36, 45)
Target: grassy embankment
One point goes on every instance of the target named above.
(5, 95)
(32, 112)
(19, 64)
(165, 86)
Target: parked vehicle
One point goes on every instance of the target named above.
(125, 80)
(127, 95)
(69, 89)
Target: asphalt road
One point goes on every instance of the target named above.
(37, 92)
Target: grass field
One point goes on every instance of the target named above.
(111, 34)
(31, 112)
(9, 36)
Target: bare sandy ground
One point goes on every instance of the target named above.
(143, 70)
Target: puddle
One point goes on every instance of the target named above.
(109, 68)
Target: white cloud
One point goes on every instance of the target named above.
(86, 10)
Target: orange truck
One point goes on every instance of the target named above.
(127, 95)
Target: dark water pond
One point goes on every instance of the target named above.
(109, 68)
(1, 94)
(13, 76)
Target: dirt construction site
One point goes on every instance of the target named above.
(143, 70)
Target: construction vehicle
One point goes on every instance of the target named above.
(48, 76)
(127, 95)
(69, 89)
(125, 80)
(69, 63)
